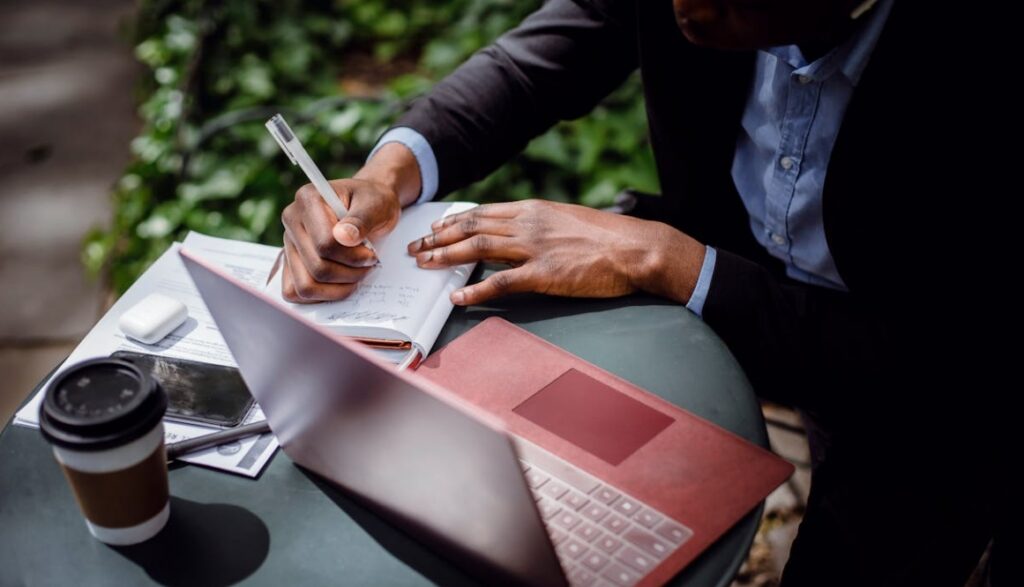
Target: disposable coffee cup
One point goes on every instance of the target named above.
(104, 420)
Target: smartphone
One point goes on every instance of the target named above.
(197, 393)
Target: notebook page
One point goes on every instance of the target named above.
(438, 316)
(396, 300)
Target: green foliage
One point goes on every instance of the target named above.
(340, 71)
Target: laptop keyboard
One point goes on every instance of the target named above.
(603, 536)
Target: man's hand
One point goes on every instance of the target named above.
(324, 257)
(562, 249)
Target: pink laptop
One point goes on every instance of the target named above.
(513, 458)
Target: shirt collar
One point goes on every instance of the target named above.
(850, 58)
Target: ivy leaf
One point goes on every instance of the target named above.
(164, 220)
(181, 34)
(343, 122)
(221, 184)
(600, 194)
(442, 55)
(152, 52)
(254, 78)
(257, 213)
(551, 148)
(393, 24)
(96, 249)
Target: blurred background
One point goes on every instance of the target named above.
(125, 124)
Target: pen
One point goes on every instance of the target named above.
(183, 447)
(177, 449)
(291, 146)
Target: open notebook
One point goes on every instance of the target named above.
(398, 305)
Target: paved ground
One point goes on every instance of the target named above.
(784, 507)
(66, 117)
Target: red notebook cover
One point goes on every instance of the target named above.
(703, 476)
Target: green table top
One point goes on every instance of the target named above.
(288, 527)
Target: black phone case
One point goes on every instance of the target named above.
(197, 393)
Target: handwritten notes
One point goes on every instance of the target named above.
(374, 303)
(398, 300)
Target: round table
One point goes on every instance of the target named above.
(288, 527)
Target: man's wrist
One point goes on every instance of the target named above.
(421, 150)
(673, 265)
(394, 166)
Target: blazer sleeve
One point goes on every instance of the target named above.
(556, 65)
(797, 343)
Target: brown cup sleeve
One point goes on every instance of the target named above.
(125, 498)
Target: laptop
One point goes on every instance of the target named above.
(504, 491)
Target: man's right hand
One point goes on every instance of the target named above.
(324, 257)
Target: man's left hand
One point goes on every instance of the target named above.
(562, 249)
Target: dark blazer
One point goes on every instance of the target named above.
(903, 172)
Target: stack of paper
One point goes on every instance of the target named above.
(197, 339)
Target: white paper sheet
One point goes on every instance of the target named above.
(197, 339)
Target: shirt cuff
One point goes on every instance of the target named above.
(424, 158)
(700, 292)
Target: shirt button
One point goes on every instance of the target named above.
(778, 239)
(786, 162)
(804, 79)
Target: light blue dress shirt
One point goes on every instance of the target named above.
(788, 129)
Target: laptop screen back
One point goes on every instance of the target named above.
(391, 438)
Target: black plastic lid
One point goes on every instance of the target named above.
(101, 404)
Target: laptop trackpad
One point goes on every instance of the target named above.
(595, 417)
